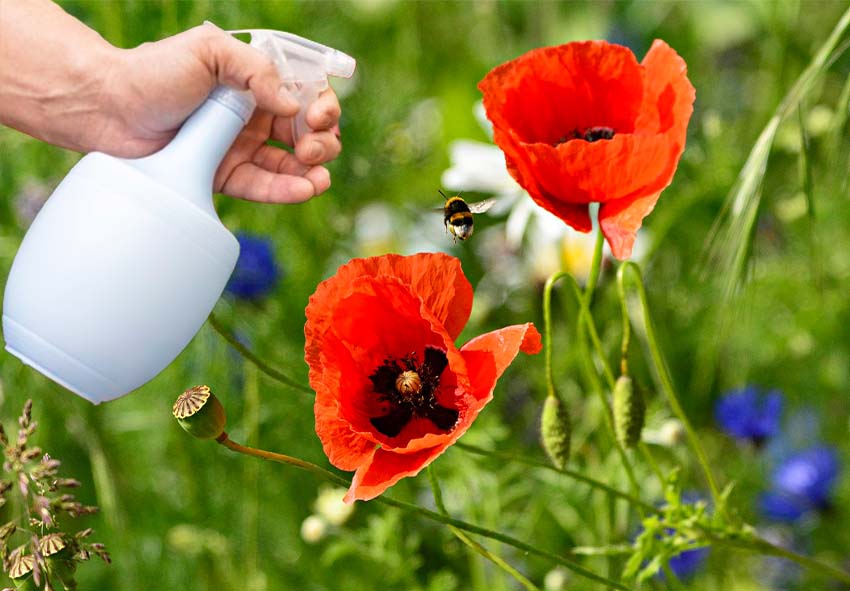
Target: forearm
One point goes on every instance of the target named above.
(52, 69)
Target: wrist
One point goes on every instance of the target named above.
(50, 83)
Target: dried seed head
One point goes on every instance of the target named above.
(20, 564)
(200, 413)
(50, 544)
(555, 431)
(629, 411)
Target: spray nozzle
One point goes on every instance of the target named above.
(304, 66)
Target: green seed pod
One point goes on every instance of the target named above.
(555, 431)
(629, 412)
(200, 413)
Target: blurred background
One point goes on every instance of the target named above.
(177, 513)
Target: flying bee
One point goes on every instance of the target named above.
(457, 215)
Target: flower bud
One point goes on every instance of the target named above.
(200, 413)
(629, 411)
(555, 431)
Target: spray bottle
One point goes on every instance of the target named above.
(127, 258)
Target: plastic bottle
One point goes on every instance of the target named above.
(128, 257)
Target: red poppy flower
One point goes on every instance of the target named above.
(392, 389)
(585, 122)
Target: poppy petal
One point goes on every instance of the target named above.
(582, 172)
(669, 95)
(544, 104)
(379, 319)
(620, 221)
(595, 82)
(435, 278)
(487, 356)
(577, 215)
(385, 469)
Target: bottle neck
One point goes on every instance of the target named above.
(189, 162)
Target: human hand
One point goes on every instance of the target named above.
(150, 90)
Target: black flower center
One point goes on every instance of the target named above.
(409, 389)
(591, 134)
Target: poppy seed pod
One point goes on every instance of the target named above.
(555, 431)
(629, 412)
(200, 413)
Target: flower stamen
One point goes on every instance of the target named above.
(591, 134)
(409, 389)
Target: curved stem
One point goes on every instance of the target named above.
(472, 544)
(662, 373)
(250, 356)
(760, 546)
(410, 507)
(586, 322)
(595, 267)
(547, 329)
(592, 482)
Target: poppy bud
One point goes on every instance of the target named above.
(200, 413)
(555, 431)
(629, 411)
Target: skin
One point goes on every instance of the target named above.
(62, 83)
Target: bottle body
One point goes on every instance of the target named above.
(123, 264)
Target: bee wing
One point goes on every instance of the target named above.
(481, 206)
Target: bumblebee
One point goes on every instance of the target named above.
(457, 215)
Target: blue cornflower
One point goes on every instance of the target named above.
(801, 483)
(256, 272)
(750, 414)
(687, 563)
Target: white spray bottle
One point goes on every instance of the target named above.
(127, 258)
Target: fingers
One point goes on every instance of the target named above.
(241, 66)
(323, 118)
(251, 182)
(275, 176)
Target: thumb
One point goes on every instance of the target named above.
(241, 66)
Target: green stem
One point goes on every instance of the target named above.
(472, 544)
(547, 328)
(444, 519)
(647, 455)
(662, 373)
(760, 546)
(595, 268)
(250, 356)
(586, 320)
(598, 484)
(766, 548)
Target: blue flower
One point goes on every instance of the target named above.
(256, 272)
(780, 507)
(686, 564)
(808, 475)
(803, 482)
(749, 414)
